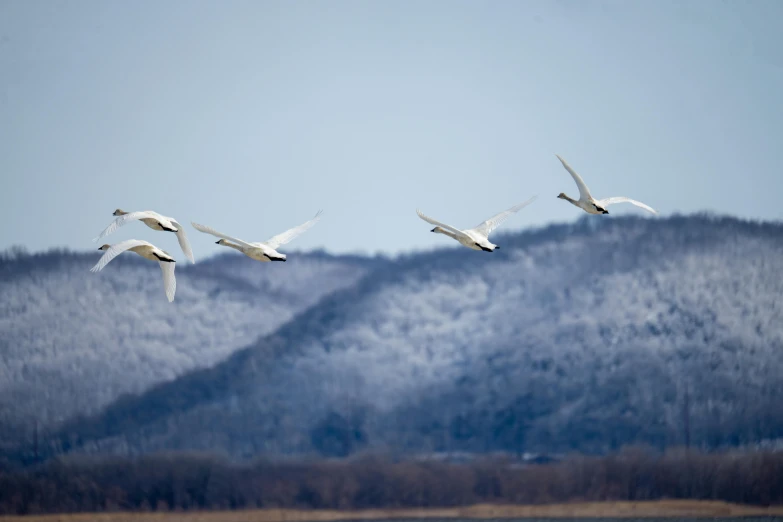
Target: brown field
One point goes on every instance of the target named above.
(662, 508)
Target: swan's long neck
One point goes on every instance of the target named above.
(445, 232)
(572, 201)
(232, 245)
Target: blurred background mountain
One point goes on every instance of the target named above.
(71, 343)
(580, 337)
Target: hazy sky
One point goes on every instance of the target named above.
(249, 116)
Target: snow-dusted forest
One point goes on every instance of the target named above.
(72, 341)
(582, 337)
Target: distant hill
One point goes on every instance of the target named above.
(72, 341)
(571, 337)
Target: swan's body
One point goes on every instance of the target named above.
(266, 251)
(147, 251)
(591, 205)
(153, 220)
(476, 238)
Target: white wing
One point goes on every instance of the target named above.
(212, 231)
(169, 281)
(184, 244)
(621, 199)
(133, 216)
(494, 222)
(289, 235)
(584, 192)
(441, 225)
(116, 250)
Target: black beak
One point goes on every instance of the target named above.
(433, 230)
(497, 248)
(217, 242)
(100, 249)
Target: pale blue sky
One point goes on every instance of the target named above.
(249, 116)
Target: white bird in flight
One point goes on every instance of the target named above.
(147, 251)
(595, 206)
(266, 251)
(476, 238)
(153, 220)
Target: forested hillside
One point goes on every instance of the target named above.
(579, 337)
(72, 341)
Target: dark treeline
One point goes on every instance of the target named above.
(187, 482)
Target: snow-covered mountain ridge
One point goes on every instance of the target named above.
(72, 341)
(584, 336)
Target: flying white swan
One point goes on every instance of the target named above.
(595, 206)
(266, 251)
(156, 222)
(147, 251)
(476, 238)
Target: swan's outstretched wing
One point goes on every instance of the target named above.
(184, 244)
(116, 250)
(441, 225)
(212, 231)
(169, 281)
(133, 216)
(494, 222)
(290, 235)
(621, 199)
(584, 192)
